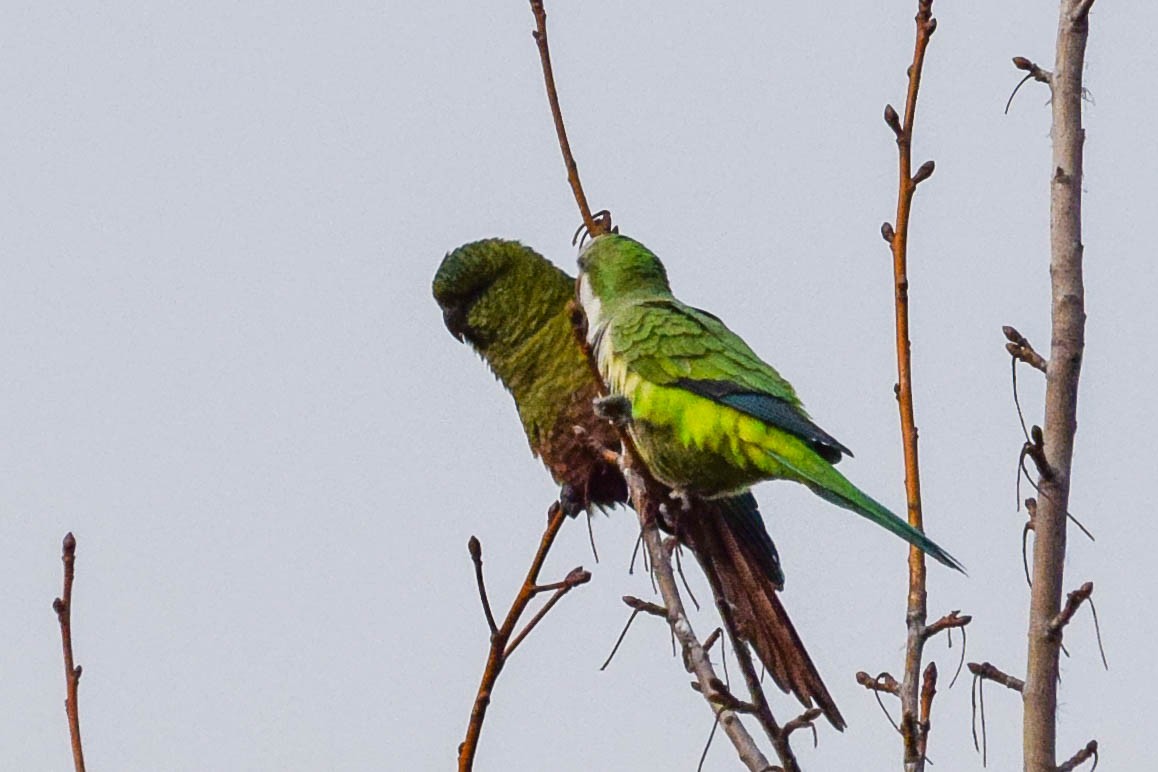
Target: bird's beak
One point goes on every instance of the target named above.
(455, 319)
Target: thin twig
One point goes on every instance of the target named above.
(947, 622)
(1081, 757)
(961, 661)
(1020, 348)
(499, 649)
(882, 684)
(594, 226)
(928, 690)
(475, 548)
(577, 577)
(708, 744)
(1098, 633)
(63, 608)
(897, 236)
(1032, 72)
(977, 695)
(989, 672)
(806, 720)
(1074, 601)
(619, 640)
(677, 550)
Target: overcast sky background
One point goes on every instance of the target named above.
(223, 370)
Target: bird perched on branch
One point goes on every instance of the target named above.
(709, 417)
(511, 305)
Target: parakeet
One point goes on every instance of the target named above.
(511, 305)
(710, 418)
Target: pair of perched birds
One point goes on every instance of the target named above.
(708, 417)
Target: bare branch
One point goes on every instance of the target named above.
(928, 691)
(882, 683)
(577, 577)
(500, 651)
(1033, 72)
(897, 238)
(594, 225)
(475, 548)
(1067, 347)
(1074, 601)
(989, 672)
(643, 605)
(947, 622)
(1082, 756)
(1021, 349)
(695, 658)
(72, 671)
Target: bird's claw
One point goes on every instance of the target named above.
(616, 409)
(683, 497)
(571, 501)
(609, 455)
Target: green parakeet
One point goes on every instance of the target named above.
(710, 417)
(511, 305)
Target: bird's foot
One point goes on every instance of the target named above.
(609, 455)
(616, 409)
(572, 501)
(683, 497)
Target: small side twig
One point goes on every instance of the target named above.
(807, 719)
(1021, 349)
(1081, 757)
(883, 683)
(947, 622)
(1033, 72)
(1074, 601)
(503, 640)
(474, 546)
(928, 691)
(989, 672)
(576, 577)
(63, 608)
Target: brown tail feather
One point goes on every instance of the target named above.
(734, 572)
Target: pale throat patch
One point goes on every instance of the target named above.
(591, 307)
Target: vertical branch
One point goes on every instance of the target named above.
(63, 608)
(594, 226)
(917, 611)
(695, 657)
(1066, 347)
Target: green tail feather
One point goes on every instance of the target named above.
(866, 507)
(832, 486)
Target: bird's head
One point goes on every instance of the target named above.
(495, 290)
(612, 267)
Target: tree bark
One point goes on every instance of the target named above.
(1062, 373)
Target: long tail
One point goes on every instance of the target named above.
(738, 557)
(826, 482)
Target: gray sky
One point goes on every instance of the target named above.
(224, 370)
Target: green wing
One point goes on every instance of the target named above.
(671, 344)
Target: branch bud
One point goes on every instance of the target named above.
(893, 120)
(924, 173)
